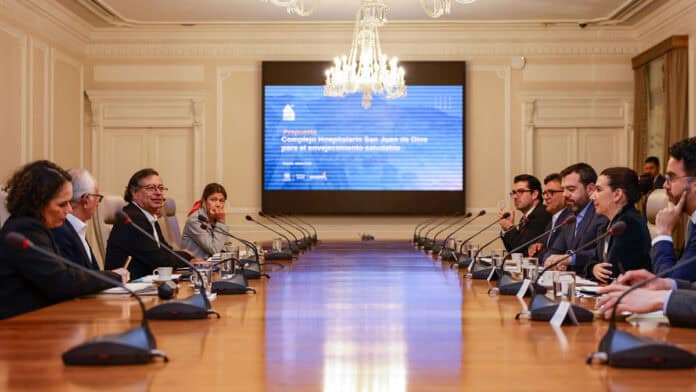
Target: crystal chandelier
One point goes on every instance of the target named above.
(297, 7)
(366, 69)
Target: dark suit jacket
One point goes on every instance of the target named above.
(126, 241)
(628, 251)
(568, 239)
(70, 246)
(659, 182)
(681, 308)
(30, 280)
(550, 238)
(663, 258)
(536, 222)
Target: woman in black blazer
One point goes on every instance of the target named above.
(38, 200)
(615, 197)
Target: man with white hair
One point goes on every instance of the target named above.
(71, 237)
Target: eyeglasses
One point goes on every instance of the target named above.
(671, 179)
(98, 196)
(519, 192)
(551, 192)
(153, 187)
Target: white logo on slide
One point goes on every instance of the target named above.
(288, 113)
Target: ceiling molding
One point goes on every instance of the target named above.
(675, 17)
(102, 10)
(55, 21)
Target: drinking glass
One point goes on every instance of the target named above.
(530, 268)
(564, 285)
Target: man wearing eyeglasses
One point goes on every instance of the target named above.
(578, 184)
(71, 237)
(680, 184)
(554, 202)
(526, 195)
(145, 196)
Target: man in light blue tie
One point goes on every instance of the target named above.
(680, 184)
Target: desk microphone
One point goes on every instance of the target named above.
(436, 248)
(293, 248)
(301, 245)
(416, 230)
(135, 346)
(315, 238)
(448, 254)
(196, 306)
(465, 261)
(306, 235)
(542, 308)
(621, 349)
(428, 226)
(428, 243)
(506, 284)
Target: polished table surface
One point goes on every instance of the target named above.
(370, 316)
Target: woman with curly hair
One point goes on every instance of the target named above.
(38, 199)
(206, 242)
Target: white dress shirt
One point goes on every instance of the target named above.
(152, 219)
(81, 229)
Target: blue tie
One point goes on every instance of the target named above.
(689, 231)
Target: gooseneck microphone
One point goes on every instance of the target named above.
(306, 235)
(542, 308)
(465, 261)
(135, 346)
(251, 268)
(298, 243)
(436, 248)
(426, 222)
(425, 229)
(293, 248)
(428, 243)
(196, 306)
(455, 231)
(486, 272)
(621, 349)
(315, 238)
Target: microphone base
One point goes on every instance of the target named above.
(191, 308)
(542, 309)
(133, 347)
(463, 261)
(447, 254)
(278, 256)
(235, 284)
(481, 272)
(436, 249)
(252, 270)
(507, 285)
(624, 350)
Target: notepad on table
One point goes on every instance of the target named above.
(138, 288)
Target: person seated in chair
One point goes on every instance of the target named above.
(38, 199)
(201, 242)
(71, 236)
(145, 196)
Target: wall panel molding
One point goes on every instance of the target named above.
(22, 41)
(149, 109)
(36, 44)
(177, 73)
(59, 56)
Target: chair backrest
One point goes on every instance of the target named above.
(104, 218)
(657, 200)
(4, 214)
(169, 224)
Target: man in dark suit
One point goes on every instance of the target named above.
(526, 194)
(71, 236)
(554, 202)
(145, 196)
(578, 183)
(651, 167)
(680, 184)
(676, 298)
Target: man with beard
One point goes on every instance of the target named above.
(578, 184)
(680, 185)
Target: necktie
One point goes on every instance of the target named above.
(689, 231)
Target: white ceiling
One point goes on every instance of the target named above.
(231, 11)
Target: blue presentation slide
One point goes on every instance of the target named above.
(313, 142)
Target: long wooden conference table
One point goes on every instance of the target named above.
(371, 316)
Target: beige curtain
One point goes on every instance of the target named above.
(640, 116)
(676, 76)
